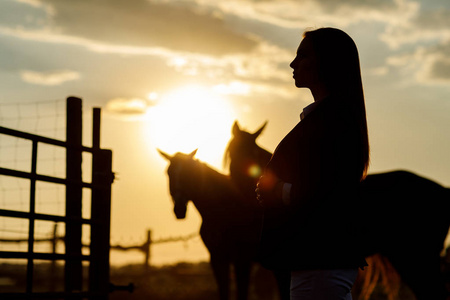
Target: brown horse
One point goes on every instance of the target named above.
(230, 223)
(405, 217)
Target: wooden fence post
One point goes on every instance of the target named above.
(147, 246)
(54, 242)
(73, 267)
(30, 262)
(102, 178)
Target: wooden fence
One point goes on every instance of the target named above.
(100, 185)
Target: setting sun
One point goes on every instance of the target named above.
(189, 118)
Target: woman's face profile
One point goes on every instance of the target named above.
(305, 66)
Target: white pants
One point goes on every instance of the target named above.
(333, 284)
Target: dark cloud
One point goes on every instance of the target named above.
(330, 5)
(440, 70)
(443, 49)
(436, 19)
(147, 24)
(439, 62)
(15, 14)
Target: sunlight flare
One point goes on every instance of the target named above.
(189, 118)
(254, 171)
(152, 96)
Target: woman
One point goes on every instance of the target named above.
(309, 189)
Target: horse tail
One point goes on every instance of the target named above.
(447, 209)
(379, 272)
(447, 201)
(444, 219)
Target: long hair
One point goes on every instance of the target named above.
(340, 70)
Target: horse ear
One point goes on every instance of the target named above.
(236, 130)
(165, 155)
(192, 154)
(257, 133)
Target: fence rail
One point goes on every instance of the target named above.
(41, 139)
(46, 178)
(145, 247)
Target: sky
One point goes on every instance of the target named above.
(176, 74)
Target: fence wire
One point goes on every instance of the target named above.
(45, 118)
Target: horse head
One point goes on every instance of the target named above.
(179, 171)
(245, 158)
(244, 154)
(244, 141)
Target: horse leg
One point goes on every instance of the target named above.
(429, 283)
(242, 268)
(283, 279)
(221, 269)
(421, 272)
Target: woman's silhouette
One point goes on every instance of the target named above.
(310, 188)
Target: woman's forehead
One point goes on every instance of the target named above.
(305, 46)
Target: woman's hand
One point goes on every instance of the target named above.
(269, 190)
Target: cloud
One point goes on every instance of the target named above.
(436, 19)
(206, 27)
(331, 5)
(145, 24)
(28, 14)
(233, 88)
(135, 106)
(265, 62)
(35, 3)
(439, 70)
(56, 77)
(435, 64)
(256, 89)
(187, 28)
(378, 71)
(316, 13)
(422, 25)
(429, 65)
(421, 43)
(228, 39)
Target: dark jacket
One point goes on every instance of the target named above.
(321, 158)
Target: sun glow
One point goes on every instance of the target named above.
(189, 118)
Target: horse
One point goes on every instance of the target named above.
(230, 223)
(404, 217)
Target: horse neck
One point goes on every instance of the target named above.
(205, 187)
(195, 180)
(240, 159)
(263, 155)
(239, 164)
(257, 154)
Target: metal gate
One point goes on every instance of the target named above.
(99, 222)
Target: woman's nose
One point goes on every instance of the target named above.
(292, 64)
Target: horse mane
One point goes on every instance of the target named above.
(226, 156)
(380, 270)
